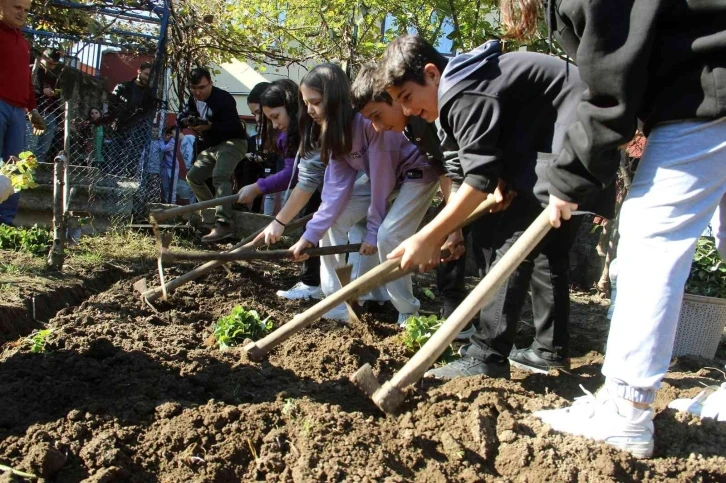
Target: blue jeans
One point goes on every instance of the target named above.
(12, 140)
(681, 180)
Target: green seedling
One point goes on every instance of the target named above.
(708, 271)
(32, 240)
(289, 407)
(239, 325)
(15, 472)
(20, 170)
(419, 330)
(428, 293)
(38, 340)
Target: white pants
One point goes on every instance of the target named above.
(402, 221)
(680, 182)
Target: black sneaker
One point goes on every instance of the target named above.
(528, 360)
(467, 367)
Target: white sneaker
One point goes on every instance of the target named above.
(709, 403)
(598, 418)
(301, 291)
(339, 313)
(403, 318)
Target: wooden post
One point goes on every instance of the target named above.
(57, 255)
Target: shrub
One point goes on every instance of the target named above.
(239, 325)
(33, 240)
(20, 170)
(419, 330)
(708, 271)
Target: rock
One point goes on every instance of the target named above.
(44, 460)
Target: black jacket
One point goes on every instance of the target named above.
(656, 60)
(222, 113)
(128, 104)
(46, 105)
(506, 114)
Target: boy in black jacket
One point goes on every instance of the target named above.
(662, 62)
(504, 114)
(222, 142)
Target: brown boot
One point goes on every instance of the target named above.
(221, 231)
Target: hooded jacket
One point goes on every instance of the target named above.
(506, 115)
(653, 60)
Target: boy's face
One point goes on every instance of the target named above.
(417, 99)
(385, 117)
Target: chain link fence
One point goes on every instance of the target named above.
(113, 173)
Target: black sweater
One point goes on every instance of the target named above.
(222, 114)
(506, 115)
(656, 60)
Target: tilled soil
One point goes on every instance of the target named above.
(130, 392)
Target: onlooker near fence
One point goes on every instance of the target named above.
(130, 106)
(183, 190)
(16, 93)
(168, 145)
(89, 137)
(48, 96)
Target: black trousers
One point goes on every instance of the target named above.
(310, 271)
(450, 275)
(546, 272)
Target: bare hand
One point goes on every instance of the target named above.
(502, 197)
(297, 249)
(48, 92)
(271, 234)
(367, 249)
(248, 193)
(253, 157)
(559, 209)
(418, 251)
(37, 122)
(456, 244)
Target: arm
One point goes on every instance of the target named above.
(337, 188)
(294, 205)
(278, 181)
(189, 109)
(612, 56)
(475, 123)
(169, 147)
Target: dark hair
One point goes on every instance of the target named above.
(145, 65)
(256, 92)
(282, 93)
(199, 73)
(169, 129)
(53, 54)
(334, 138)
(94, 108)
(404, 60)
(520, 17)
(365, 90)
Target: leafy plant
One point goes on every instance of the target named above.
(20, 170)
(419, 330)
(33, 240)
(708, 271)
(239, 325)
(38, 340)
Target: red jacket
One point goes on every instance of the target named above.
(16, 86)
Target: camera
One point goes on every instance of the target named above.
(193, 121)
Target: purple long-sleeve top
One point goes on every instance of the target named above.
(388, 159)
(280, 180)
(167, 147)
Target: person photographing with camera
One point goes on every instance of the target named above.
(222, 142)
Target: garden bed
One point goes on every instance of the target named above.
(129, 392)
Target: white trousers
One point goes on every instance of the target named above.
(680, 182)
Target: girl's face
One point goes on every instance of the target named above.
(313, 100)
(95, 115)
(255, 110)
(278, 116)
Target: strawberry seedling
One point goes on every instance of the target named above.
(239, 325)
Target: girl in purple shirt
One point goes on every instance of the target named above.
(348, 143)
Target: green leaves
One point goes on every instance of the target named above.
(20, 170)
(38, 339)
(239, 325)
(419, 330)
(708, 271)
(33, 240)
